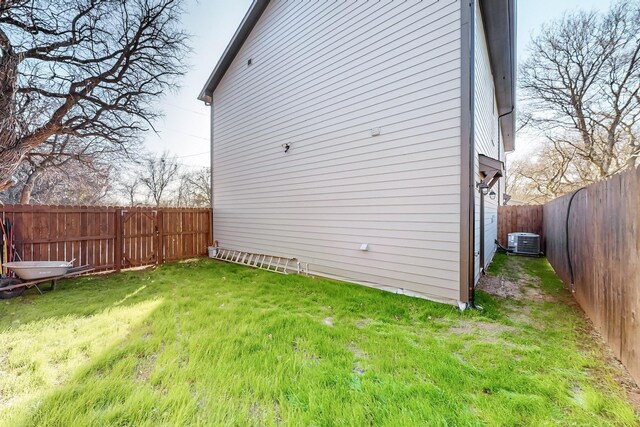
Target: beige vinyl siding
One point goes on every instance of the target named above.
(323, 75)
(486, 140)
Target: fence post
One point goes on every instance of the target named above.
(160, 235)
(117, 253)
(210, 226)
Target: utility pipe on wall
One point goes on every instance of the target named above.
(472, 154)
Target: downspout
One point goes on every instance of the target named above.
(472, 154)
(481, 249)
(500, 158)
(500, 127)
(211, 180)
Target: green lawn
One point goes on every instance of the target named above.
(208, 343)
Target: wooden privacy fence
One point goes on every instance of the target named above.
(604, 254)
(107, 237)
(604, 250)
(513, 219)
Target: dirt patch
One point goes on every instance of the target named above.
(501, 287)
(624, 379)
(276, 411)
(486, 331)
(358, 370)
(516, 285)
(256, 414)
(328, 321)
(298, 347)
(358, 354)
(634, 398)
(487, 327)
(534, 293)
(145, 367)
(356, 351)
(521, 313)
(361, 324)
(525, 289)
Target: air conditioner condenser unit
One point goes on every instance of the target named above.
(524, 243)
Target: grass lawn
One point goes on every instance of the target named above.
(209, 343)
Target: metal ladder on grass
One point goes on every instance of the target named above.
(271, 263)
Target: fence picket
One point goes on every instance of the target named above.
(96, 235)
(526, 219)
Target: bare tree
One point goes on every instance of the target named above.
(581, 88)
(73, 184)
(158, 174)
(129, 187)
(85, 68)
(62, 152)
(546, 174)
(195, 188)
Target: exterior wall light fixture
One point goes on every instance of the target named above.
(483, 187)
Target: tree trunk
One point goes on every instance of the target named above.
(10, 153)
(25, 194)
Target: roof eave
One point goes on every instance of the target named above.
(499, 17)
(238, 39)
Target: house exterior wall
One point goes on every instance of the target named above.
(322, 76)
(487, 142)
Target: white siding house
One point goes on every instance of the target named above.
(338, 124)
(488, 142)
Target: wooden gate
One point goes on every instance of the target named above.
(140, 237)
(108, 237)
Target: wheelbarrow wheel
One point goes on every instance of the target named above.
(12, 293)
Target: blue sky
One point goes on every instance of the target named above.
(533, 13)
(185, 128)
